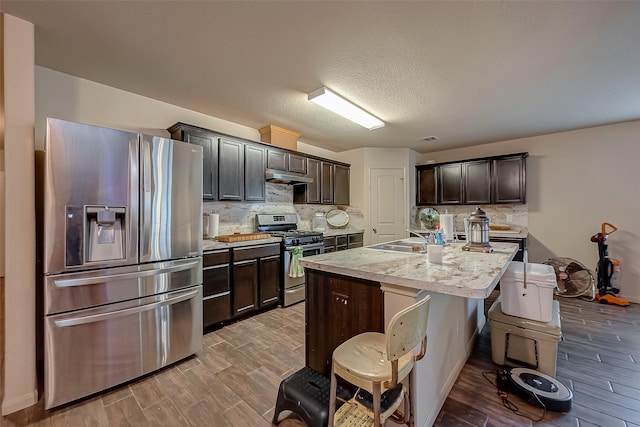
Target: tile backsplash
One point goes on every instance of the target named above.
(239, 217)
(498, 214)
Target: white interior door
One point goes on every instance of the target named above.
(387, 204)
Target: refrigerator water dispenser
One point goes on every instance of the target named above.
(105, 234)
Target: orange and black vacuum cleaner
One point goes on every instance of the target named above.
(607, 293)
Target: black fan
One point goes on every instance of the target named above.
(573, 278)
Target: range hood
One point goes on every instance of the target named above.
(286, 178)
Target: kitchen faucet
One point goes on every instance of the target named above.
(428, 239)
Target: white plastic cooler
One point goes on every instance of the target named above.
(530, 300)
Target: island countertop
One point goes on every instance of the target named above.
(462, 273)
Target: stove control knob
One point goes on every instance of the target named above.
(295, 242)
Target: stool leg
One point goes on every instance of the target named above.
(408, 408)
(376, 404)
(332, 398)
(278, 407)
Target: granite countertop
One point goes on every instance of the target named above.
(462, 273)
(330, 232)
(211, 244)
(514, 233)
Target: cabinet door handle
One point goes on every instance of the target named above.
(375, 231)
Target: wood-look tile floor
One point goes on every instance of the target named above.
(234, 380)
(599, 360)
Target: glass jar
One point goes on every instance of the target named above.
(319, 222)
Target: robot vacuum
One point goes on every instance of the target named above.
(539, 389)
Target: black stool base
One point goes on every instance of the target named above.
(306, 394)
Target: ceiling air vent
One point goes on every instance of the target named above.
(428, 139)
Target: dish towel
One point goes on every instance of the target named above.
(295, 269)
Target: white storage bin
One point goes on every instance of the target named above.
(530, 301)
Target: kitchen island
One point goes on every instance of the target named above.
(360, 290)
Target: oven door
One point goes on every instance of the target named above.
(293, 287)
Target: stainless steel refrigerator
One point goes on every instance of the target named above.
(122, 257)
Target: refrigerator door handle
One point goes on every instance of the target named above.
(145, 198)
(67, 283)
(113, 314)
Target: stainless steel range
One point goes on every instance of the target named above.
(308, 242)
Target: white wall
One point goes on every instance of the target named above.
(20, 385)
(317, 151)
(362, 161)
(63, 96)
(576, 181)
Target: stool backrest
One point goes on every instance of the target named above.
(407, 329)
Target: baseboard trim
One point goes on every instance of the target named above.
(19, 403)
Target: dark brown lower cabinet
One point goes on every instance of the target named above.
(269, 280)
(522, 242)
(216, 300)
(245, 286)
(338, 308)
(343, 242)
(256, 278)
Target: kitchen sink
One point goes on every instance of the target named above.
(402, 246)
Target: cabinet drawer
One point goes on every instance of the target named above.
(216, 309)
(215, 257)
(256, 252)
(215, 279)
(354, 239)
(329, 241)
(105, 341)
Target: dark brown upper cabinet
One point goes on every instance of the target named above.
(254, 165)
(509, 179)
(330, 184)
(309, 193)
(477, 182)
(209, 143)
(327, 183)
(427, 185)
(230, 169)
(285, 161)
(234, 169)
(341, 185)
(297, 164)
(277, 159)
(489, 180)
(450, 188)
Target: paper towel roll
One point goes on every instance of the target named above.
(446, 224)
(213, 225)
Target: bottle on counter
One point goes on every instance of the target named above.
(439, 236)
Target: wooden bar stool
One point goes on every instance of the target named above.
(378, 362)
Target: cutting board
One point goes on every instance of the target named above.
(239, 237)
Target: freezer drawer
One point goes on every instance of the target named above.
(75, 291)
(90, 350)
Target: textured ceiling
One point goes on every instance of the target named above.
(466, 72)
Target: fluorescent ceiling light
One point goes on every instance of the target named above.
(333, 102)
